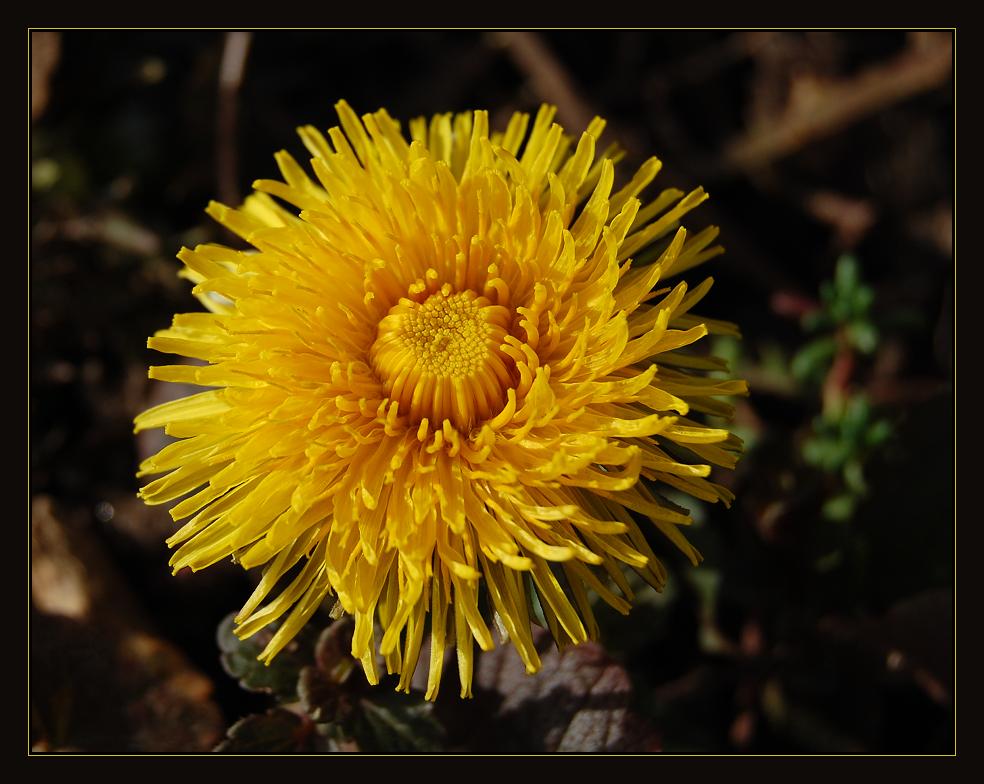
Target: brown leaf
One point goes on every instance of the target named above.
(579, 701)
(102, 680)
(913, 637)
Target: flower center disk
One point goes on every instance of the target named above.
(441, 358)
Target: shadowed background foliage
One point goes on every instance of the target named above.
(821, 619)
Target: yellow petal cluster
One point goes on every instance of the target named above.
(444, 393)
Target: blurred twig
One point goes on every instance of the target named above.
(234, 53)
(934, 227)
(818, 108)
(708, 61)
(849, 218)
(548, 77)
(45, 53)
(897, 392)
(552, 82)
(112, 228)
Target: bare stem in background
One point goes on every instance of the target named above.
(550, 81)
(234, 53)
(548, 77)
(820, 108)
(45, 54)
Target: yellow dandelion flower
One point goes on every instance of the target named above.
(444, 391)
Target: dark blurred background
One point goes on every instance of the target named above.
(821, 619)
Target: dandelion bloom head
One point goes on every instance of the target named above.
(451, 380)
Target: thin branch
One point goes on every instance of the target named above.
(234, 52)
(45, 54)
(548, 77)
(551, 82)
(819, 108)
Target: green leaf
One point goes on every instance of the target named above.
(239, 660)
(275, 732)
(812, 360)
(863, 336)
(826, 453)
(390, 722)
(846, 274)
(862, 300)
(854, 476)
(816, 451)
(829, 562)
(854, 422)
(840, 508)
(878, 433)
(827, 293)
(817, 320)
